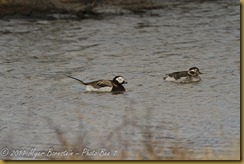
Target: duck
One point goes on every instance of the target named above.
(115, 85)
(190, 76)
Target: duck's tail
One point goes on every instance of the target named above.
(166, 76)
(77, 80)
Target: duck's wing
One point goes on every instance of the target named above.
(177, 75)
(101, 83)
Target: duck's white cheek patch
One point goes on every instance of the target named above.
(120, 80)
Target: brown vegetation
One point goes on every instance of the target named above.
(148, 150)
(75, 7)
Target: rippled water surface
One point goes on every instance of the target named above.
(37, 98)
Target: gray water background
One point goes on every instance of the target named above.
(37, 97)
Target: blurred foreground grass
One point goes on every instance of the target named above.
(74, 7)
(117, 145)
(148, 151)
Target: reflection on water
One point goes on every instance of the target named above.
(37, 54)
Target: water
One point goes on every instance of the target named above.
(37, 97)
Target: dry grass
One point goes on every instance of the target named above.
(79, 8)
(148, 151)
